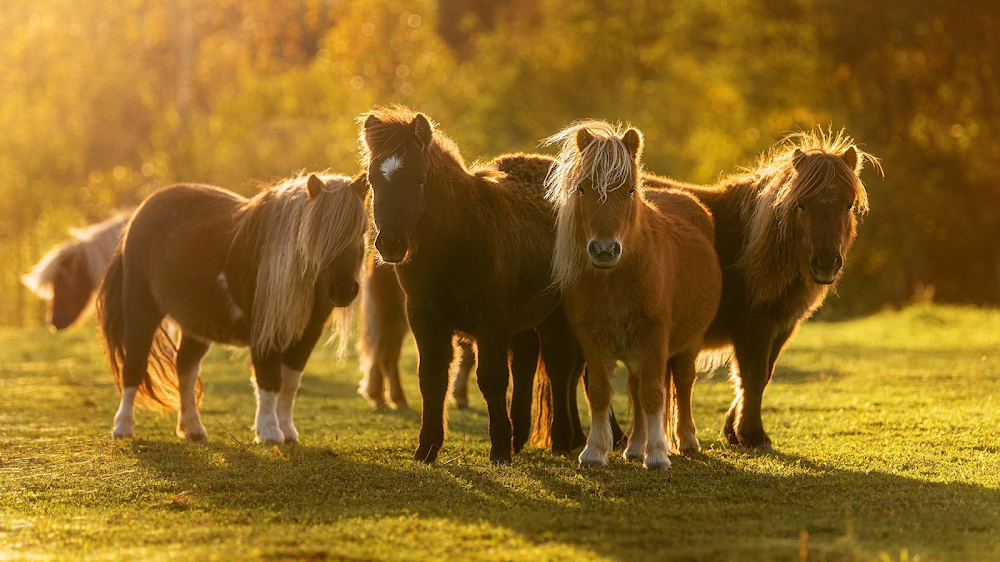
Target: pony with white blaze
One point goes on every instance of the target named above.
(69, 274)
(265, 272)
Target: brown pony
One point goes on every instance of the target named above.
(472, 250)
(783, 230)
(265, 272)
(640, 284)
(69, 274)
(383, 328)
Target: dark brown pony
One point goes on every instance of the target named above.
(383, 329)
(69, 274)
(783, 230)
(640, 283)
(265, 272)
(472, 250)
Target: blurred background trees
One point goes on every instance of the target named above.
(104, 101)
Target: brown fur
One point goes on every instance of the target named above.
(208, 258)
(765, 246)
(651, 306)
(472, 250)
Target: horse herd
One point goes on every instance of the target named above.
(530, 266)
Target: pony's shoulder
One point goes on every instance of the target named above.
(523, 165)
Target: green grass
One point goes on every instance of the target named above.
(885, 427)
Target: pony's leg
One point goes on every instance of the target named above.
(189, 356)
(434, 355)
(466, 361)
(524, 350)
(293, 362)
(636, 449)
(388, 356)
(600, 441)
(652, 372)
(493, 375)
(267, 376)
(140, 328)
(750, 373)
(616, 429)
(563, 361)
(684, 374)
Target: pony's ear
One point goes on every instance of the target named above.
(372, 121)
(314, 186)
(360, 185)
(850, 157)
(798, 157)
(633, 142)
(422, 130)
(583, 139)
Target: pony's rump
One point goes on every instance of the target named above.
(159, 389)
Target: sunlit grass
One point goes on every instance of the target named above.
(886, 433)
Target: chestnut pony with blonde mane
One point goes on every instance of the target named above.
(640, 283)
(472, 250)
(266, 272)
(783, 230)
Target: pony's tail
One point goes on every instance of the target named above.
(541, 434)
(159, 388)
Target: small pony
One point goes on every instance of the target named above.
(640, 281)
(265, 272)
(472, 249)
(383, 328)
(783, 231)
(69, 274)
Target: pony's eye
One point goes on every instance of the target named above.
(851, 206)
(580, 189)
(801, 206)
(631, 190)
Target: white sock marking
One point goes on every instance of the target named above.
(390, 165)
(290, 380)
(266, 421)
(125, 417)
(656, 441)
(189, 424)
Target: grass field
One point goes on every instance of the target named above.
(886, 448)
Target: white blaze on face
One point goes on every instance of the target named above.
(390, 165)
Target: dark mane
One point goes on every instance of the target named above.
(386, 138)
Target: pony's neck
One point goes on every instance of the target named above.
(447, 180)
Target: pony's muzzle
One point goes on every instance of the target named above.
(824, 266)
(343, 292)
(604, 252)
(392, 249)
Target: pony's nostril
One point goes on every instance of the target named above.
(593, 248)
(838, 262)
(616, 248)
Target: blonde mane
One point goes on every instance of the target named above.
(779, 186)
(92, 245)
(606, 162)
(296, 238)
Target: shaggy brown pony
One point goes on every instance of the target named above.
(640, 283)
(783, 230)
(265, 272)
(383, 328)
(472, 250)
(69, 274)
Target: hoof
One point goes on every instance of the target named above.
(590, 458)
(426, 453)
(501, 456)
(269, 436)
(633, 455)
(754, 440)
(195, 436)
(656, 463)
(121, 434)
(689, 446)
(464, 405)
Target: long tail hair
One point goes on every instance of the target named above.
(159, 389)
